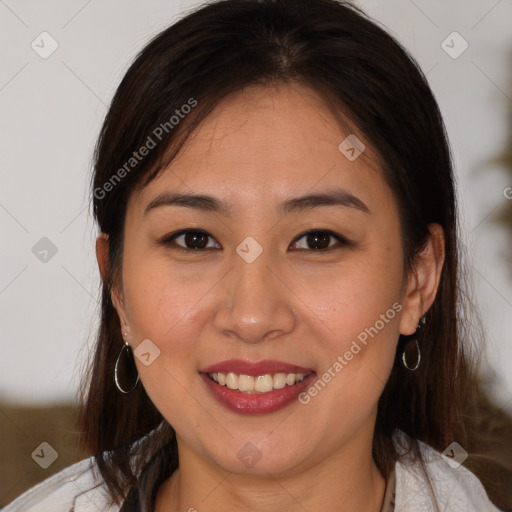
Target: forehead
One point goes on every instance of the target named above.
(280, 140)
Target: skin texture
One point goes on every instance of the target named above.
(293, 303)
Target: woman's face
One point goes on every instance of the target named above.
(259, 296)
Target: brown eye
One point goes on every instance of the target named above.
(320, 240)
(190, 240)
(195, 239)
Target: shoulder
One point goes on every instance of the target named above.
(456, 489)
(77, 488)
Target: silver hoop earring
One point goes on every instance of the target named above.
(125, 348)
(409, 346)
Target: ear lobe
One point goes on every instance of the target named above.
(424, 280)
(118, 305)
(102, 247)
(102, 255)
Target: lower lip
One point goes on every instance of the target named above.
(256, 403)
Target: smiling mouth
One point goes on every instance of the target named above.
(256, 384)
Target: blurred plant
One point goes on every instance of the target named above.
(504, 160)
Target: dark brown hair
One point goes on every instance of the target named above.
(367, 78)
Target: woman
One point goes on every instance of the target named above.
(278, 250)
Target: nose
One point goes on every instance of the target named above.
(256, 303)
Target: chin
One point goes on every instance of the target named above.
(263, 458)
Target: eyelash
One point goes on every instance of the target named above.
(169, 240)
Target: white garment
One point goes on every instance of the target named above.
(79, 488)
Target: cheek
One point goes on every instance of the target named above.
(161, 301)
(163, 307)
(359, 308)
(354, 297)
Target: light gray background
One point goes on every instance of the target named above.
(51, 113)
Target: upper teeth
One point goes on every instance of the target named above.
(260, 384)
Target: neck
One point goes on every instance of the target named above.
(348, 481)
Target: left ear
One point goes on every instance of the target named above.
(423, 281)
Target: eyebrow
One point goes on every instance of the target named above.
(337, 197)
